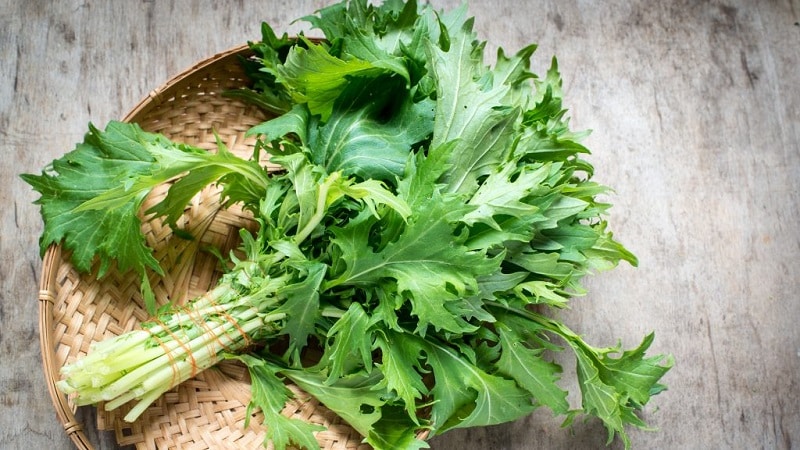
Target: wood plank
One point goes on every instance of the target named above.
(695, 112)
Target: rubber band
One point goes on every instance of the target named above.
(170, 356)
(176, 378)
(206, 329)
(224, 339)
(247, 340)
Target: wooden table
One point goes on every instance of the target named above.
(695, 108)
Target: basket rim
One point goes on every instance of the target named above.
(47, 297)
(157, 95)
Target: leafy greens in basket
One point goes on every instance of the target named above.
(429, 212)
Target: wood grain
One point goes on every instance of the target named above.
(695, 112)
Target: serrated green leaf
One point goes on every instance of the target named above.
(395, 431)
(315, 77)
(543, 292)
(634, 373)
(269, 394)
(197, 169)
(527, 367)
(301, 306)
(547, 264)
(360, 140)
(363, 43)
(287, 432)
(426, 261)
(354, 398)
(614, 388)
(607, 252)
(471, 109)
(374, 193)
(503, 193)
(104, 161)
(92, 197)
(601, 400)
(402, 370)
(294, 121)
(350, 344)
(466, 396)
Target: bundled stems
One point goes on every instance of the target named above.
(175, 346)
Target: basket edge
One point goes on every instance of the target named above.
(46, 299)
(155, 98)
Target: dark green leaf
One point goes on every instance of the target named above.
(350, 345)
(530, 370)
(402, 369)
(269, 394)
(466, 396)
(301, 307)
(105, 161)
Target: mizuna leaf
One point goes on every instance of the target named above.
(294, 121)
(301, 307)
(528, 368)
(470, 110)
(91, 198)
(395, 430)
(270, 394)
(354, 398)
(102, 162)
(402, 370)
(360, 140)
(613, 388)
(467, 396)
(503, 193)
(426, 261)
(350, 344)
(315, 77)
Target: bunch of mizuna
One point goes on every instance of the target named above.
(429, 211)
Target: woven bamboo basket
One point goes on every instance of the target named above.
(209, 410)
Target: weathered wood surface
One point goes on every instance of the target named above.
(695, 108)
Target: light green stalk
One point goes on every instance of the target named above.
(143, 364)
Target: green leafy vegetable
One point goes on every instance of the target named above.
(91, 197)
(430, 212)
